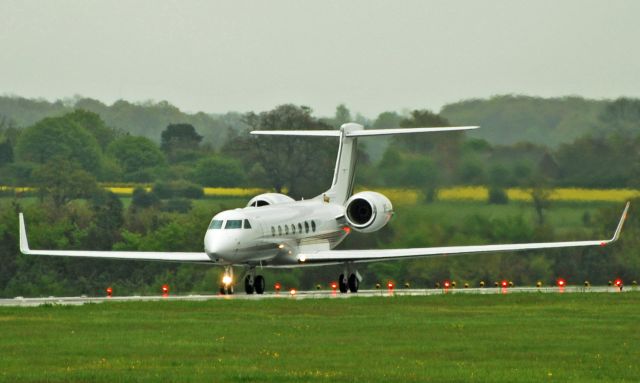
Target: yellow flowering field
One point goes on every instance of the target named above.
(480, 193)
(233, 192)
(405, 196)
(469, 193)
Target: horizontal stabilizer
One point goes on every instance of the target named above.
(385, 132)
(316, 133)
(362, 132)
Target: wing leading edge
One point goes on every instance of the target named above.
(133, 255)
(335, 256)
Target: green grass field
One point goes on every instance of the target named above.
(453, 338)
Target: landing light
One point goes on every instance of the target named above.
(301, 258)
(226, 280)
(292, 292)
(281, 246)
(447, 284)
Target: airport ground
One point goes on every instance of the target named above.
(513, 337)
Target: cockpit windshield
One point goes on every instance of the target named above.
(215, 224)
(233, 224)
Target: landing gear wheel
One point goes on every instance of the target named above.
(353, 283)
(259, 284)
(229, 290)
(248, 286)
(342, 284)
(223, 291)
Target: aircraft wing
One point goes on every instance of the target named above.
(133, 255)
(336, 256)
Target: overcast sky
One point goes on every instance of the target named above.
(371, 55)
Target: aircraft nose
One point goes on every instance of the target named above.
(218, 245)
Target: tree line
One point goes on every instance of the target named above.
(66, 157)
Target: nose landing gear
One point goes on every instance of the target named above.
(226, 287)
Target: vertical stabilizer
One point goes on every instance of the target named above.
(343, 175)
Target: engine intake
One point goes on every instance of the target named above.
(368, 211)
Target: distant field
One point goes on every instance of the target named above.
(526, 337)
(404, 196)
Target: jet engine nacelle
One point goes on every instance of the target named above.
(269, 199)
(368, 211)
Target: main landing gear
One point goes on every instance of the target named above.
(254, 283)
(348, 280)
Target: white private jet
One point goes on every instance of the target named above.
(274, 230)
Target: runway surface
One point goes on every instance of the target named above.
(314, 294)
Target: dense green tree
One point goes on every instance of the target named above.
(94, 125)
(621, 117)
(143, 199)
(219, 171)
(301, 164)
(599, 161)
(6, 152)
(108, 219)
(60, 137)
(135, 155)
(63, 180)
(179, 141)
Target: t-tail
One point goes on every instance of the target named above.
(343, 174)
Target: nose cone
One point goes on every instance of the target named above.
(217, 245)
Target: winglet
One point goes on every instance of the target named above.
(616, 235)
(24, 243)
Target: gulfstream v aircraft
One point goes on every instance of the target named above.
(274, 230)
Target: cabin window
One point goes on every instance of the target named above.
(247, 225)
(293, 229)
(313, 226)
(279, 230)
(299, 228)
(306, 226)
(286, 230)
(215, 224)
(273, 231)
(233, 224)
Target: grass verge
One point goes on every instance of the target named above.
(505, 338)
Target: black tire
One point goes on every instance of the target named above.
(248, 287)
(259, 284)
(229, 290)
(342, 284)
(354, 283)
(223, 290)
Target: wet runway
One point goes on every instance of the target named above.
(313, 294)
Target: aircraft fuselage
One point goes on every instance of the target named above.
(273, 235)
